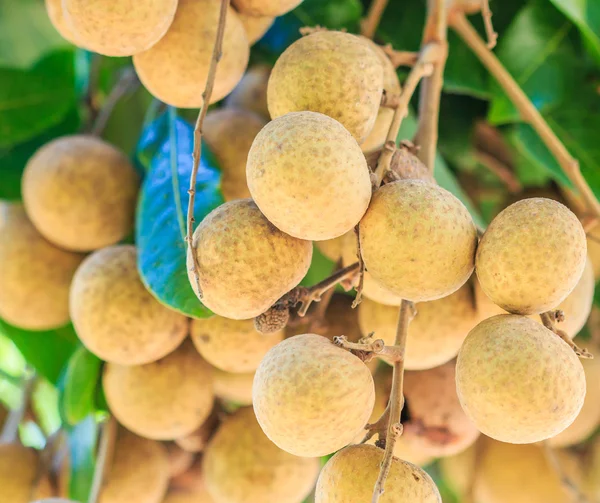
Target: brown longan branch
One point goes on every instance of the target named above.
(105, 451)
(501, 170)
(528, 112)
(549, 319)
(486, 13)
(369, 24)
(206, 95)
(400, 58)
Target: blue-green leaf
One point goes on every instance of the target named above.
(82, 440)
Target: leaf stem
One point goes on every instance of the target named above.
(369, 24)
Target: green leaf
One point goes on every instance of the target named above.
(32, 101)
(162, 208)
(78, 386)
(82, 440)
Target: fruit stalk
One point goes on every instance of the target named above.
(105, 450)
(10, 432)
(368, 25)
(548, 321)
(486, 13)
(206, 95)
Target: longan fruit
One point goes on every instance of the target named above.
(80, 193)
(229, 134)
(593, 246)
(232, 345)
(518, 381)
(18, 474)
(256, 26)
(334, 73)
(272, 8)
(175, 69)
(163, 400)
(311, 397)
(179, 496)
(531, 256)
(35, 275)
(350, 475)
(251, 92)
(241, 465)
(180, 460)
(332, 248)
(418, 240)
(245, 263)
(308, 176)
(115, 316)
(119, 27)
(235, 388)
(56, 13)
(458, 471)
(197, 440)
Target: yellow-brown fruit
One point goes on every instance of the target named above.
(418, 240)
(119, 28)
(334, 73)
(232, 345)
(18, 473)
(80, 193)
(311, 397)
(179, 496)
(332, 248)
(308, 176)
(245, 263)
(197, 440)
(241, 465)
(251, 93)
(35, 275)
(115, 316)
(265, 7)
(57, 17)
(351, 474)
(180, 461)
(229, 134)
(192, 481)
(235, 388)
(176, 68)
(434, 335)
(164, 400)
(531, 256)
(458, 471)
(518, 381)
(256, 26)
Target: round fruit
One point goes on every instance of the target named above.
(593, 245)
(255, 26)
(57, 17)
(311, 397)
(241, 465)
(265, 7)
(334, 73)
(418, 240)
(192, 481)
(80, 192)
(251, 93)
(235, 388)
(18, 474)
(177, 496)
(518, 381)
(229, 134)
(115, 316)
(245, 263)
(458, 471)
(531, 256)
(350, 475)
(308, 176)
(179, 460)
(164, 400)
(232, 345)
(176, 68)
(332, 248)
(35, 275)
(119, 28)
(197, 440)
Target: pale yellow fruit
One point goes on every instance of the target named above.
(235, 388)
(229, 134)
(115, 316)
(80, 193)
(177, 496)
(57, 17)
(350, 476)
(18, 474)
(458, 471)
(334, 73)
(176, 68)
(241, 465)
(232, 345)
(245, 263)
(192, 481)
(434, 335)
(197, 440)
(256, 26)
(518, 381)
(251, 93)
(180, 460)
(526, 265)
(332, 248)
(265, 7)
(308, 176)
(35, 275)
(418, 240)
(311, 397)
(164, 400)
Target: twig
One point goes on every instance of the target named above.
(105, 450)
(548, 320)
(400, 58)
(369, 24)
(206, 95)
(527, 110)
(361, 268)
(486, 13)
(566, 481)
(369, 347)
(10, 431)
(501, 170)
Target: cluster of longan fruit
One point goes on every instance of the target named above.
(232, 414)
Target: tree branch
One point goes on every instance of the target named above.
(368, 25)
(10, 431)
(501, 170)
(105, 451)
(548, 320)
(486, 13)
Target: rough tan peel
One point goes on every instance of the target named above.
(57, 17)
(18, 474)
(256, 26)
(265, 7)
(251, 92)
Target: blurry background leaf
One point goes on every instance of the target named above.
(82, 440)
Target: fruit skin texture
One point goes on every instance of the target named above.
(164, 400)
(59, 21)
(255, 26)
(35, 275)
(251, 92)
(311, 397)
(236, 388)
(245, 263)
(350, 475)
(176, 68)
(232, 345)
(80, 193)
(518, 381)
(531, 256)
(334, 73)
(265, 7)
(229, 134)
(241, 465)
(18, 470)
(418, 240)
(119, 28)
(308, 176)
(115, 316)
